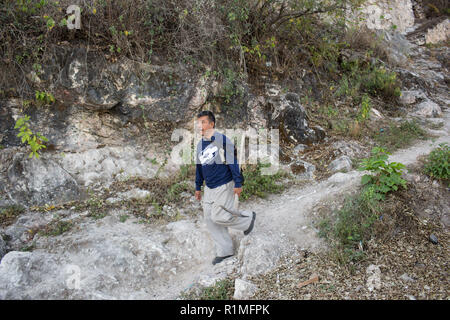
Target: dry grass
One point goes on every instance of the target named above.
(9, 214)
(363, 39)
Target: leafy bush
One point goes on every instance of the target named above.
(365, 108)
(386, 175)
(380, 81)
(352, 226)
(44, 97)
(360, 76)
(259, 184)
(34, 141)
(437, 162)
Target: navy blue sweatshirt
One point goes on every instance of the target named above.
(210, 162)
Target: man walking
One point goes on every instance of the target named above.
(217, 165)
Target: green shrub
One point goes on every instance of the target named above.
(96, 206)
(352, 225)
(123, 217)
(379, 81)
(259, 184)
(360, 76)
(221, 290)
(386, 175)
(28, 248)
(27, 135)
(365, 108)
(44, 97)
(355, 219)
(176, 189)
(437, 162)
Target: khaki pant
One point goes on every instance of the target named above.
(219, 220)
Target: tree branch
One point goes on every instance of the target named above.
(281, 19)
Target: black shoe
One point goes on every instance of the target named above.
(220, 259)
(246, 232)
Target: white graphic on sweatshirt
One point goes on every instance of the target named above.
(207, 156)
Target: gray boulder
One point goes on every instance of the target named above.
(18, 233)
(25, 275)
(343, 163)
(106, 260)
(428, 109)
(243, 289)
(303, 169)
(411, 96)
(287, 114)
(39, 181)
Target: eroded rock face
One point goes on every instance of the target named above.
(7, 122)
(397, 47)
(114, 119)
(105, 260)
(38, 181)
(441, 32)
(99, 102)
(159, 93)
(105, 164)
(388, 14)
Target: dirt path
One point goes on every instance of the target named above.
(284, 223)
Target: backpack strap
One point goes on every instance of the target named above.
(223, 158)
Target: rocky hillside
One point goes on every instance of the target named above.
(107, 212)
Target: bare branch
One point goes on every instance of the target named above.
(294, 15)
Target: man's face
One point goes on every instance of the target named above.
(205, 126)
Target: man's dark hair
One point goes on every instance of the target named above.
(209, 114)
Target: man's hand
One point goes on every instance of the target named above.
(198, 195)
(238, 191)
